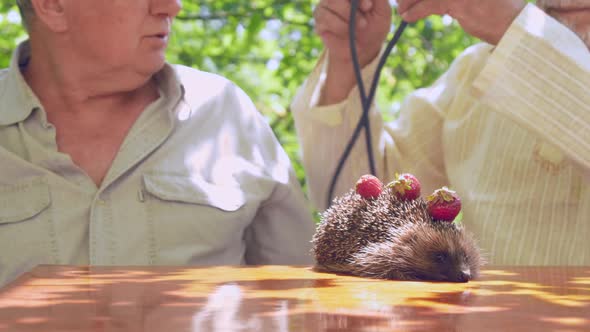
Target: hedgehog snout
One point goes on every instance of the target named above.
(463, 276)
(459, 273)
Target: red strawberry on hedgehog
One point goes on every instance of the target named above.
(369, 186)
(444, 204)
(390, 232)
(406, 186)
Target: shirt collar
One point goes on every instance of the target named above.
(17, 100)
(169, 83)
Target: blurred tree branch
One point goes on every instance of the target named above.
(225, 16)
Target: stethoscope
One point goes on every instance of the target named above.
(366, 101)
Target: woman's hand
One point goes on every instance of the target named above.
(487, 20)
(332, 21)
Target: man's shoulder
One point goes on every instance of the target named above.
(205, 88)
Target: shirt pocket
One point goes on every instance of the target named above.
(27, 231)
(200, 217)
(191, 190)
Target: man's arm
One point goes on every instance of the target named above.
(282, 230)
(539, 77)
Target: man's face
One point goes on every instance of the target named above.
(122, 35)
(573, 13)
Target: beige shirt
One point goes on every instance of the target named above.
(200, 179)
(507, 128)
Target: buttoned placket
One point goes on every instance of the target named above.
(151, 133)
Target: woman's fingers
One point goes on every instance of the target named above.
(424, 8)
(332, 16)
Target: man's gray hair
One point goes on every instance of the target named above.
(26, 11)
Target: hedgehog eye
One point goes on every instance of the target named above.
(440, 257)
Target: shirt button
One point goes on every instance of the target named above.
(549, 157)
(551, 154)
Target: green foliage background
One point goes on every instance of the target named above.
(269, 47)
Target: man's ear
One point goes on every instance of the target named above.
(51, 13)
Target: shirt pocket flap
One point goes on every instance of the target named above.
(194, 190)
(24, 199)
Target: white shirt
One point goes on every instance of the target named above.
(508, 128)
(200, 180)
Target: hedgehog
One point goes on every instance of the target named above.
(379, 233)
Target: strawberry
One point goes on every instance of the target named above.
(406, 187)
(369, 186)
(444, 204)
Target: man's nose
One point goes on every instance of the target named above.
(170, 8)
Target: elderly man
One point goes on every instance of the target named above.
(507, 127)
(110, 156)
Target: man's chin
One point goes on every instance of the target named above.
(150, 68)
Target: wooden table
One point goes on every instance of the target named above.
(284, 298)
